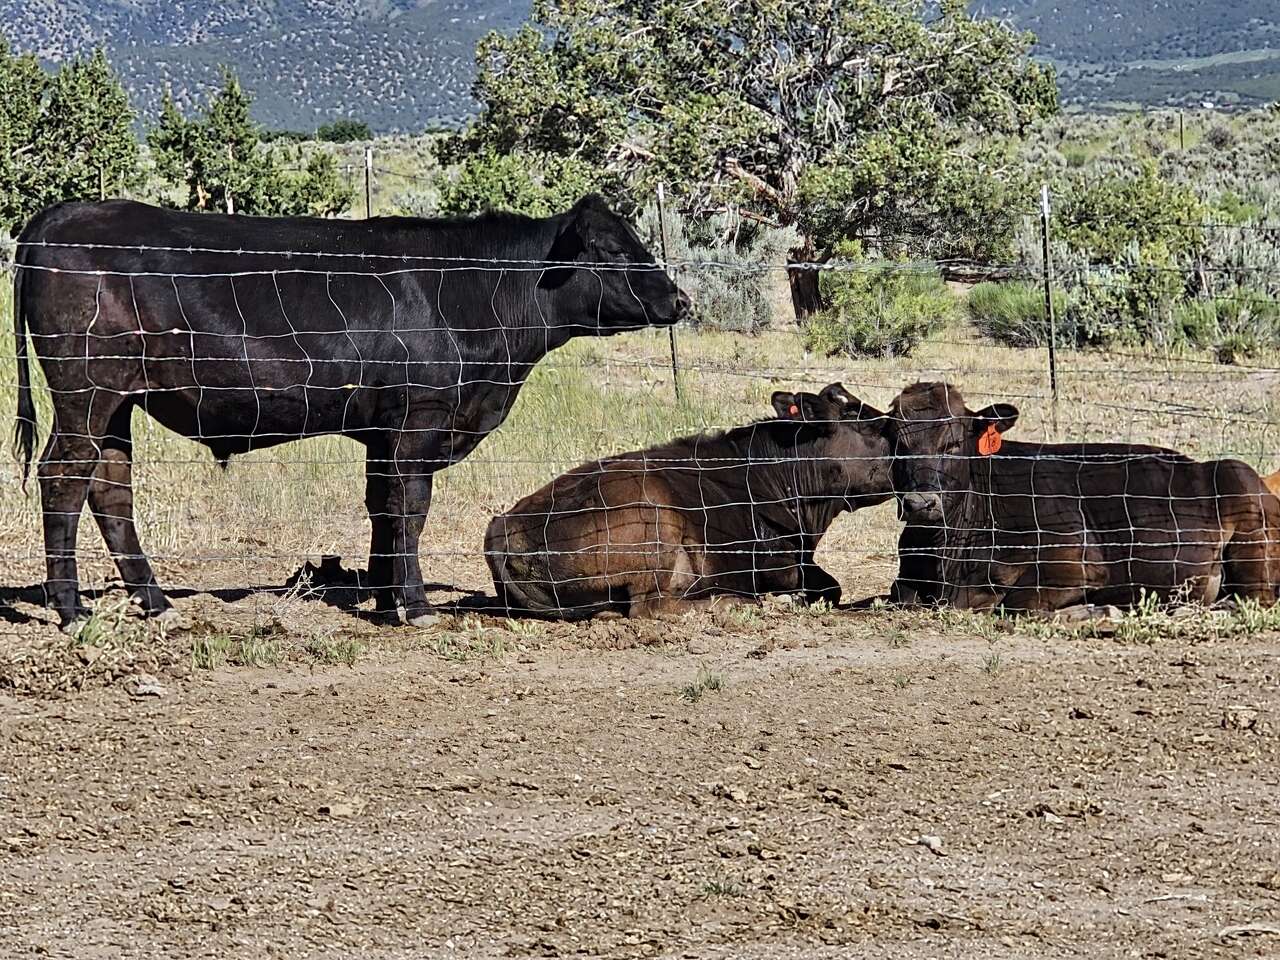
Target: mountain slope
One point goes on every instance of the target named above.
(397, 64)
(1161, 52)
(408, 64)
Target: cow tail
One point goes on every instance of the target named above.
(24, 429)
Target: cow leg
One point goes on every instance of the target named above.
(66, 466)
(111, 502)
(381, 541)
(664, 589)
(409, 482)
(818, 585)
(1251, 570)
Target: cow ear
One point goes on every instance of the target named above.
(1002, 416)
(786, 405)
(837, 394)
(569, 246)
(851, 408)
(593, 201)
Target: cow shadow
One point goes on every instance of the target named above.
(327, 582)
(33, 594)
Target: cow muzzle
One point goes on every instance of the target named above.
(684, 306)
(924, 506)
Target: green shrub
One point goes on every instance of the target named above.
(1013, 314)
(1220, 137)
(1235, 327)
(1125, 250)
(537, 185)
(884, 311)
(728, 266)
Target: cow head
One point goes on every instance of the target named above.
(846, 433)
(620, 286)
(935, 440)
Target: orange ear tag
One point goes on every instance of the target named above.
(794, 410)
(990, 441)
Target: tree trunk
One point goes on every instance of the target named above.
(806, 294)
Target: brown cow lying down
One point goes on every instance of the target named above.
(1030, 526)
(670, 528)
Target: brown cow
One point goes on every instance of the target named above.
(1025, 526)
(671, 528)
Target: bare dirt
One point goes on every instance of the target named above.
(589, 791)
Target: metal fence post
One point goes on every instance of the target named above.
(368, 182)
(1048, 303)
(671, 330)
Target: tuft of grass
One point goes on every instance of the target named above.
(115, 624)
(897, 639)
(334, 650)
(722, 887)
(526, 629)
(1146, 623)
(992, 663)
(261, 647)
(471, 641)
(210, 650)
(901, 682)
(705, 681)
(741, 616)
(819, 608)
(1252, 617)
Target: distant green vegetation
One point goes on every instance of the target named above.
(1153, 242)
(219, 158)
(64, 135)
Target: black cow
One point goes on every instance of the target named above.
(411, 336)
(673, 527)
(1027, 526)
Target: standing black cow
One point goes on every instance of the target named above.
(410, 336)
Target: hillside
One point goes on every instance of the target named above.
(1162, 52)
(407, 64)
(397, 64)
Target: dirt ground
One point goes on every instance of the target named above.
(749, 787)
(741, 787)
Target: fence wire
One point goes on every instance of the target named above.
(1146, 471)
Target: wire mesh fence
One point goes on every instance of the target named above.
(459, 395)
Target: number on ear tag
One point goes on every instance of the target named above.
(990, 441)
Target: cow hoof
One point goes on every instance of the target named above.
(423, 620)
(150, 603)
(73, 627)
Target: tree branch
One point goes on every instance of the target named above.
(733, 168)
